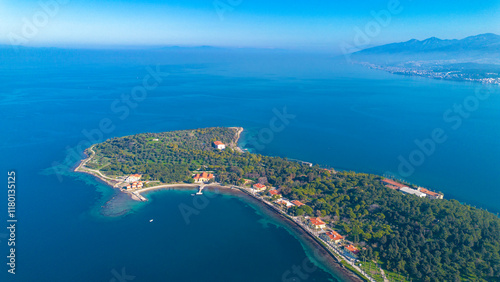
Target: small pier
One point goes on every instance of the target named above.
(200, 189)
(139, 197)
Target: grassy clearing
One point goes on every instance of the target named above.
(372, 269)
(392, 276)
(348, 266)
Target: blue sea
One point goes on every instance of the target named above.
(442, 135)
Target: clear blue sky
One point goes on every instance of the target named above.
(319, 25)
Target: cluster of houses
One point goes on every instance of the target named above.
(332, 237)
(133, 182)
(315, 223)
(258, 187)
(419, 192)
(135, 185)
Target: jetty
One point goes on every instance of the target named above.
(138, 196)
(200, 189)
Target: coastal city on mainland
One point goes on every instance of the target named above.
(455, 75)
(321, 229)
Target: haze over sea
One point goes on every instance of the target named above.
(346, 117)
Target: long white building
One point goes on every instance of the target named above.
(408, 190)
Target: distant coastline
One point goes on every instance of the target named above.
(433, 74)
(471, 59)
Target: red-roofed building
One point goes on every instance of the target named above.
(274, 192)
(219, 145)
(284, 203)
(393, 184)
(430, 194)
(203, 177)
(259, 187)
(297, 203)
(332, 236)
(135, 185)
(316, 223)
(351, 250)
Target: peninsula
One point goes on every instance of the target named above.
(378, 228)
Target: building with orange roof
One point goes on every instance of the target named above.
(134, 185)
(202, 177)
(332, 236)
(259, 187)
(430, 194)
(297, 203)
(274, 192)
(219, 145)
(316, 223)
(351, 251)
(284, 202)
(392, 184)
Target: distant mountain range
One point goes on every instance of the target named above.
(487, 42)
(475, 58)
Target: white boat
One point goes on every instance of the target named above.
(150, 220)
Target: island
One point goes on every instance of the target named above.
(376, 228)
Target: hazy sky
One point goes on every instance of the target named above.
(320, 25)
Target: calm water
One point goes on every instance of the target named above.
(345, 117)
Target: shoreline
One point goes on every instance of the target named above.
(330, 261)
(238, 134)
(136, 195)
(94, 173)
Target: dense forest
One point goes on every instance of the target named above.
(429, 240)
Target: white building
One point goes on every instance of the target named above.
(133, 177)
(430, 194)
(316, 223)
(412, 191)
(219, 145)
(259, 187)
(284, 202)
